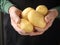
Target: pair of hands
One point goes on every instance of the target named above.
(15, 18)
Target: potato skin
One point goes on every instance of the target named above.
(25, 25)
(36, 19)
(26, 11)
(42, 9)
(32, 17)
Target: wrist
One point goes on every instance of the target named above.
(12, 9)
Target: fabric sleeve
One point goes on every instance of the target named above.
(5, 5)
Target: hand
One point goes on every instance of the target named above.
(15, 15)
(49, 18)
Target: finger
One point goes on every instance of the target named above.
(36, 33)
(17, 28)
(39, 29)
(52, 14)
(55, 12)
(15, 18)
(51, 19)
(49, 24)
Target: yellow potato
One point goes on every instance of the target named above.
(25, 25)
(26, 11)
(36, 19)
(42, 9)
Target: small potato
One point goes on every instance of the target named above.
(42, 9)
(25, 25)
(36, 19)
(25, 12)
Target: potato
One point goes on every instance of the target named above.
(36, 19)
(25, 12)
(42, 9)
(25, 25)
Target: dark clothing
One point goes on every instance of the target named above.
(50, 37)
(22, 4)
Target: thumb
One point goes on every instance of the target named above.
(15, 17)
(14, 14)
(51, 15)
